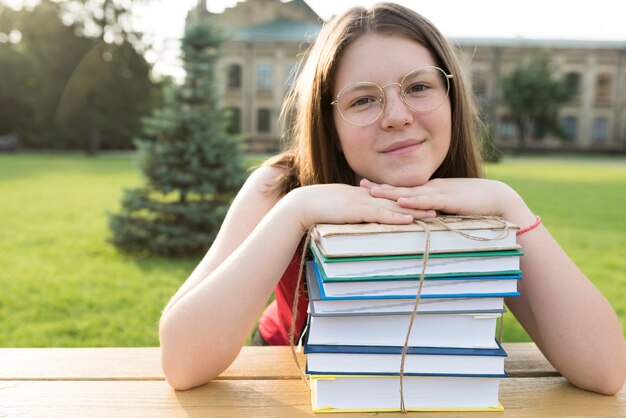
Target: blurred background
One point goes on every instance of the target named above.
(96, 96)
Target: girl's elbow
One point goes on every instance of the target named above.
(609, 386)
(182, 375)
(615, 382)
(190, 362)
(612, 389)
(181, 381)
(608, 382)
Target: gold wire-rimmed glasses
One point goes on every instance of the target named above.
(423, 90)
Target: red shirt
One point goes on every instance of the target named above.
(275, 321)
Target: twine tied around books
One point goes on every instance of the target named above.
(294, 308)
(449, 220)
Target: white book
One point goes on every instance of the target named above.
(471, 263)
(379, 239)
(421, 393)
(470, 330)
(322, 307)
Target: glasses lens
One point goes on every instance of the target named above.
(360, 103)
(425, 89)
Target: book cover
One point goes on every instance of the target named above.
(365, 360)
(380, 239)
(433, 287)
(458, 264)
(323, 305)
(470, 330)
(421, 393)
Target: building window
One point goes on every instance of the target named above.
(233, 124)
(264, 76)
(506, 129)
(263, 120)
(572, 81)
(570, 127)
(603, 88)
(600, 130)
(234, 76)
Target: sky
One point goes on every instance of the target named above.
(548, 19)
(543, 19)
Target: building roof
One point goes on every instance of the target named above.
(279, 30)
(539, 43)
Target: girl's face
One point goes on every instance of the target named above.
(402, 147)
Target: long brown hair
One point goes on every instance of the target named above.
(312, 155)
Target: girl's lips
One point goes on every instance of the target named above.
(402, 147)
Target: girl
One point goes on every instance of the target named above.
(382, 130)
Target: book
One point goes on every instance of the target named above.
(402, 266)
(468, 330)
(336, 393)
(432, 287)
(379, 239)
(363, 282)
(357, 360)
(337, 305)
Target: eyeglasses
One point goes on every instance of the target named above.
(423, 90)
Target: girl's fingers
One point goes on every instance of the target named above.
(386, 216)
(423, 202)
(367, 184)
(414, 212)
(395, 193)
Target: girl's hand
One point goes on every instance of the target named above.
(459, 196)
(341, 203)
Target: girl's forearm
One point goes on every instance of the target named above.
(204, 331)
(567, 316)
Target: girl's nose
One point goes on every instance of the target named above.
(396, 113)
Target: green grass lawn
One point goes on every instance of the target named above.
(63, 285)
(583, 204)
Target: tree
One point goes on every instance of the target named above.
(73, 91)
(107, 20)
(192, 166)
(15, 110)
(106, 96)
(534, 96)
(47, 51)
(112, 86)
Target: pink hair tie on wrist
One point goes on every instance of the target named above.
(530, 227)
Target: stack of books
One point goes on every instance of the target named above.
(363, 282)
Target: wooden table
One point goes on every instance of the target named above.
(262, 382)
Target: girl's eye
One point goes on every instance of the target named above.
(416, 88)
(362, 101)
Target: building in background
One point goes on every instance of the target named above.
(267, 37)
(595, 71)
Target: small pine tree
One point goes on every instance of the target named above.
(192, 166)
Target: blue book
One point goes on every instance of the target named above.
(320, 303)
(420, 361)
